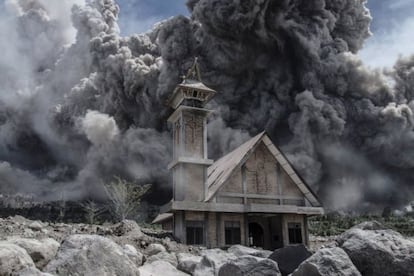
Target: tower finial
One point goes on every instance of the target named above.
(194, 71)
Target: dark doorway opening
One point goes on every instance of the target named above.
(256, 235)
(276, 235)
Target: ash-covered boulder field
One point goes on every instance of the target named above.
(125, 249)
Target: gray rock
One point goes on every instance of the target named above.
(91, 255)
(13, 258)
(163, 256)
(240, 250)
(290, 257)
(370, 225)
(28, 233)
(133, 254)
(171, 246)
(212, 260)
(127, 227)
(19, 219)
(36, 225)
(161, 268)
(378, 252)
(41, 251)
(187, 262)
(154, 249)
(249, 266)
(31, 272)
(327, 262)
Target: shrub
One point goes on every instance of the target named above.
(124, 197)
(92, 211)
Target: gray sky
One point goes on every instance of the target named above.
(392, 26)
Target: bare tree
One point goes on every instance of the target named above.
(92, 211)
(124, 196)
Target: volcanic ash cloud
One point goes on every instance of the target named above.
(81, 104)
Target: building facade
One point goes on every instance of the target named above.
(251, 196)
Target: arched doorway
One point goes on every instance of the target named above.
(256, 235)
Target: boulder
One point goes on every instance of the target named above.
(326, 262)
(91, 255)
(249, 266)
(187, 262)
(19, 220)
(41, 251)
(211, 261)
(36, 226)
(173, 246)
(290, 257)
(378, 252)
(133, 254)
(27, 233)
(163, 256)
(161, 268)
(154, 249)
(127, 227)
(13, 258)
(370, 225)
(240, 250)
(31, 272)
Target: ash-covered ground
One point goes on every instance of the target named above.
(41, 248)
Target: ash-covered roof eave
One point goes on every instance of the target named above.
(162, 217)
(196, 86)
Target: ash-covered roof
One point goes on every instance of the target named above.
(221, 170)
(195, 85)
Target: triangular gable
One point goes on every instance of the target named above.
(222, 169)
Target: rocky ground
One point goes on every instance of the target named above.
(37, 248)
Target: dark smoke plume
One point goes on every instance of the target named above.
(79, 105)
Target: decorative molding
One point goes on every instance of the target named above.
(245, 195)
(182, 108)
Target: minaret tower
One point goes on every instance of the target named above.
(188, 121)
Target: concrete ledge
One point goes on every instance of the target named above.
(190, 160)
(239, 208)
